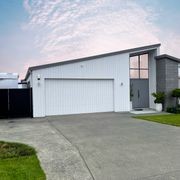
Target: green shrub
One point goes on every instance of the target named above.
(176, 94)
(159, 97)
(175, 110)
(171, 109)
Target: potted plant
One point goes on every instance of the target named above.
(176, 94)
(159, 100)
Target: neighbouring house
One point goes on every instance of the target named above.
(15, 97)
(8, 80)
(102, 83)
(22, 85)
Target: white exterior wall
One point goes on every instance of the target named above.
(8, 80)
(22, 86)
(78, 96)
(112, 67)
(115, 67)
(152, 76)
(29, 80)
(8, 83)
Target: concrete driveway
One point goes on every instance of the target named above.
(101, 146)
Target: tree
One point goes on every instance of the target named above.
(176, 94)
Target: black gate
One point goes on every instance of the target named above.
(15, 103)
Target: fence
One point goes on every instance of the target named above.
(15, 103)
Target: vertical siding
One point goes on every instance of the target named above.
(167, 79)
(171, 81)
(74, 96)
(152, 76)
(38, 96)
(8, 83)
(114, 67)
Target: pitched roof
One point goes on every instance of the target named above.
(143, 48)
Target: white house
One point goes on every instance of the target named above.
(95, 84)
(8, 80)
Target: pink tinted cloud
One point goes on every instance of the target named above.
(70, 29)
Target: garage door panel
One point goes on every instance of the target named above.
(78, 96)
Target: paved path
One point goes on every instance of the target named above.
(102, 146)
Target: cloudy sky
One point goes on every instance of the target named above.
(34, 32)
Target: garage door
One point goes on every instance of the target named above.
(78, 96)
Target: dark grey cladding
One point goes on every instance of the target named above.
(167, 76)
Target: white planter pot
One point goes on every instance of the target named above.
(159, 107)
(131, 106)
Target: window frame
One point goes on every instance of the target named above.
(139, 66)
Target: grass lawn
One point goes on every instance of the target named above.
(170, 119)
(19, 162)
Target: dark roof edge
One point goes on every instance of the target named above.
(166, 56)
(89, 58)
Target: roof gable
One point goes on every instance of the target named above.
(154, 46)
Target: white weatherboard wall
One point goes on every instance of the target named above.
(114, 67)
(8, 80)
(112, 70)
(152, 76)
(8, 83)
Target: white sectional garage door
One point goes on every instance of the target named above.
(78, 96)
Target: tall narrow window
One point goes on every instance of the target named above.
(139, 67)
(134, 62)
